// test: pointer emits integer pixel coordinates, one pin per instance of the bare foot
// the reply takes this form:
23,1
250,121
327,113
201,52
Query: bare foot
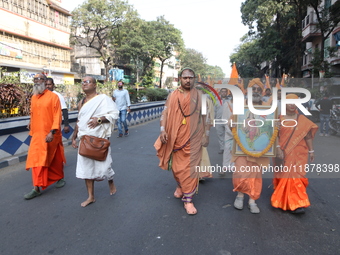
87,202
190,208
178,193
113,188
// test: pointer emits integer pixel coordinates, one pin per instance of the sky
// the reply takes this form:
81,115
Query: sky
212,27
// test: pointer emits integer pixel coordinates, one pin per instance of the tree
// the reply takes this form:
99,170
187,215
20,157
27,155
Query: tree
94,23
278,29
136,43
248,57
166,39
215,72
195,60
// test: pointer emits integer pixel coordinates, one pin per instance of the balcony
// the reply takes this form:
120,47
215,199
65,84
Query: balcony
309,28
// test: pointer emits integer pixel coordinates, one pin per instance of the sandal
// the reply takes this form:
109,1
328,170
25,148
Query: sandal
190,211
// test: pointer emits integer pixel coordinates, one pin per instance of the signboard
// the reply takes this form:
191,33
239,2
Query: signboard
11,49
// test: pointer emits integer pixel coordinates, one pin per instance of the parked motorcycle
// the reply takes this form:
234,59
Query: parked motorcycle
334,121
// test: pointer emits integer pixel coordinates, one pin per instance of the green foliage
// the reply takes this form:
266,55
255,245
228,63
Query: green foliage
166,40
215,72
105,88
247,58
195,60
133,95
156,94
276,28
95,24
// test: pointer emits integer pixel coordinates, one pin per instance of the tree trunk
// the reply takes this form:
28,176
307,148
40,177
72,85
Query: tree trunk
160,81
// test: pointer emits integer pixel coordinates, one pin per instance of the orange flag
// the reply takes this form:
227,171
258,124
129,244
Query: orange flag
235,79
234,75
283,80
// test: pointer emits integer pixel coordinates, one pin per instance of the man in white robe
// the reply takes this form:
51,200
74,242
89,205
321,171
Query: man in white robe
97,115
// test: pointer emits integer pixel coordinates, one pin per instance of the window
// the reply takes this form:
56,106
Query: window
337,40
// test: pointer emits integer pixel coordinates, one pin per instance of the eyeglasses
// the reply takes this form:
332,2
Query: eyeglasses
86,82
38,79
257,89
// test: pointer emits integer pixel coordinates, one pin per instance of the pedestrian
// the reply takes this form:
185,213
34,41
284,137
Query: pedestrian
183,132
122,99
295,144
50,86
325,113
249,182
96,117
46,150
220,128
228,136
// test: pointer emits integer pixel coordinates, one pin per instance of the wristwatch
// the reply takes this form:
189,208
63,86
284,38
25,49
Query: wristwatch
53,131
99,120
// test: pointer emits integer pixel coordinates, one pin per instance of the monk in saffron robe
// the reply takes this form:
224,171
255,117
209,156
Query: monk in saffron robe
296,142
249,182
182,136
46,151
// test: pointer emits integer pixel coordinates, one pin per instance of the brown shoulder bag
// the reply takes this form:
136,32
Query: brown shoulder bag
94,147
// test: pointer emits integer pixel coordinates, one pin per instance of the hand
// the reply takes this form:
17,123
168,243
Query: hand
49,137
93,122
205,141
128,110
311,157
74,143
164,137
66,129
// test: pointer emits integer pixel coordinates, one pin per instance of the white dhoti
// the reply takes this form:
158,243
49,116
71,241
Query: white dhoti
98,106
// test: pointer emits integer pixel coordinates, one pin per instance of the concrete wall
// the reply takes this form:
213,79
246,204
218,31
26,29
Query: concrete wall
14,138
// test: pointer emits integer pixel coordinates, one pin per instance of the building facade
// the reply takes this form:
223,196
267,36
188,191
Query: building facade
34,38
312,38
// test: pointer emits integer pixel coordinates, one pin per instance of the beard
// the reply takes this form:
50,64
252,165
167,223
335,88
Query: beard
257,98
38,88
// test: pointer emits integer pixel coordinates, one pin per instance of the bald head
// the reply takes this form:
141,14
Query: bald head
89,85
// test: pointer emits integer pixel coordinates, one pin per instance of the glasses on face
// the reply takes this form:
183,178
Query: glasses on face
38,79
190,78
86,82
257,89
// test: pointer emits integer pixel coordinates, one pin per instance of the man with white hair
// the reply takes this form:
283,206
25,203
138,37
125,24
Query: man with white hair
46,151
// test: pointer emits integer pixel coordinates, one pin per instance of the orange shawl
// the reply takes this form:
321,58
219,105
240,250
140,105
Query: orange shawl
290,187
182,137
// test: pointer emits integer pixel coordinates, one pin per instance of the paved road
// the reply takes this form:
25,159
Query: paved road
144,218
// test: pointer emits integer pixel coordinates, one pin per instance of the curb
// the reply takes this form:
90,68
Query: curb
20,158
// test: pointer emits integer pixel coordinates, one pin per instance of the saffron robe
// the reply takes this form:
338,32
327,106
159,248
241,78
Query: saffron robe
290,187
249,182
46,159
99,106
184,140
